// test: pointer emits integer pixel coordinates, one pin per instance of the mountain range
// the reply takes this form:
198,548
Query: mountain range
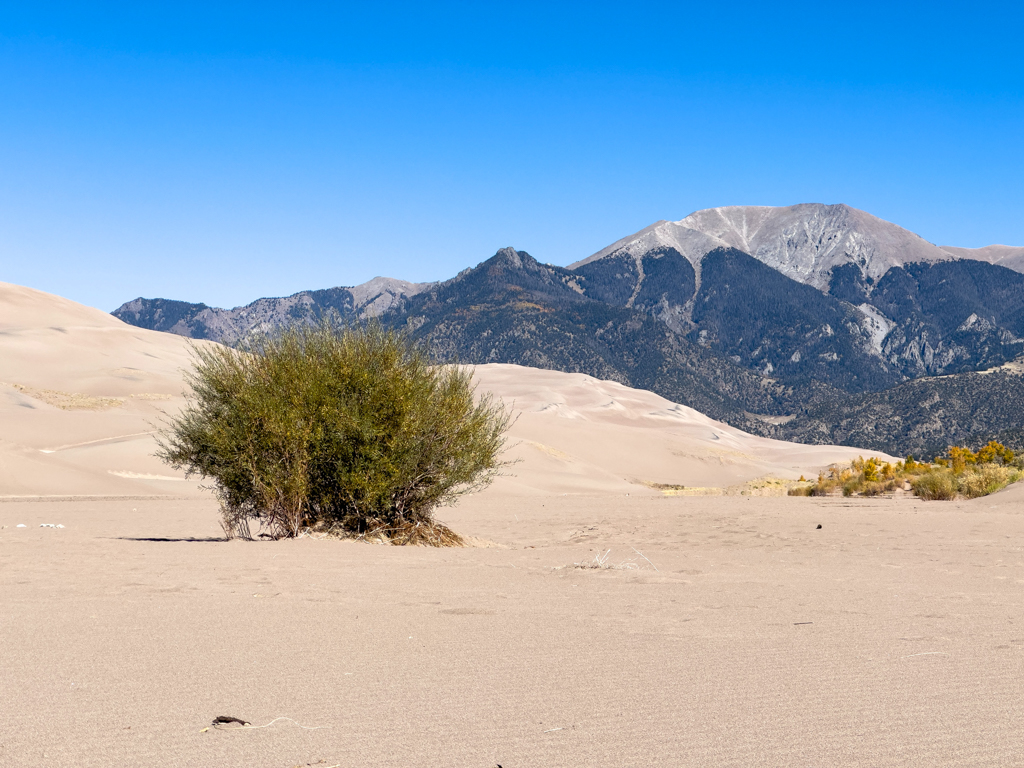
820,323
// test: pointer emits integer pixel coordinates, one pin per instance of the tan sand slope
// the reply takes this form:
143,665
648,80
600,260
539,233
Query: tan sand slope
83,392
80,396
578,434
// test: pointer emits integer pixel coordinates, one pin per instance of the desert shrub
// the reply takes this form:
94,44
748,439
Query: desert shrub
962,471
960,458
853,485
985,479
348,429
879,487
828,484
801,490
935,485
872,470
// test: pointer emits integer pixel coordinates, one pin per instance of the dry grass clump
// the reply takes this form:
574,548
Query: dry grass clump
961,472
664,486
430,533
324,427
986,479
602,562
936,485
69,401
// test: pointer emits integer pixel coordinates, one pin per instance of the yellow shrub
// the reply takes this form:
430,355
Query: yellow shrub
985,479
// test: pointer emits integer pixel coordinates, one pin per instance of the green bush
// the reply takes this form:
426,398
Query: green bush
939,484
853,485
349,429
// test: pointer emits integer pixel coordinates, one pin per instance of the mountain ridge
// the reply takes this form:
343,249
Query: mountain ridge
680,310
784,236
197,320
893,280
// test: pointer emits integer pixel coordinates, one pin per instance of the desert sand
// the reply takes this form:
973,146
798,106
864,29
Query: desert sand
730,631
577,434
82,394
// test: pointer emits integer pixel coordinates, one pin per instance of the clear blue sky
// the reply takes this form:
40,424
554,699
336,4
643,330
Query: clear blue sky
224,154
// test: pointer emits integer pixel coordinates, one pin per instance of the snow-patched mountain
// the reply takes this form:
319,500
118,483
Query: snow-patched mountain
369,299
805,242
687,241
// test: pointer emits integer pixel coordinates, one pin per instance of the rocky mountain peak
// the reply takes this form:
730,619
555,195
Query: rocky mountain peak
380,294
805,242
509,256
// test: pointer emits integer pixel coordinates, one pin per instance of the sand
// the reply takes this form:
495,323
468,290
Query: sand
890,637
82,394
743,635
578,434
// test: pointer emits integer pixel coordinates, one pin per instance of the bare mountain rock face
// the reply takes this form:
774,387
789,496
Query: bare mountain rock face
896,306
806,242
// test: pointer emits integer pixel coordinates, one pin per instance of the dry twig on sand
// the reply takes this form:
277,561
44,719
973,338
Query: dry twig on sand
225,724
601,563
644,557
425,533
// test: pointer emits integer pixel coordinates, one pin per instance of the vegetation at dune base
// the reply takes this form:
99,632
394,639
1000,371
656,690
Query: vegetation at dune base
961,472
344,430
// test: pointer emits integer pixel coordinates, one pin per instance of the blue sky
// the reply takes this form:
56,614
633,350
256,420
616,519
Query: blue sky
224,154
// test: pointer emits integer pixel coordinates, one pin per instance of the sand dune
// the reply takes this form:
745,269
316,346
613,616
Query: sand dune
578,434
82,394
750,632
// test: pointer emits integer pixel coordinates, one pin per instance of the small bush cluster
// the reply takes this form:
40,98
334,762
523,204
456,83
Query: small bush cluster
961,472
935,485
328,428
867,477
985,479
